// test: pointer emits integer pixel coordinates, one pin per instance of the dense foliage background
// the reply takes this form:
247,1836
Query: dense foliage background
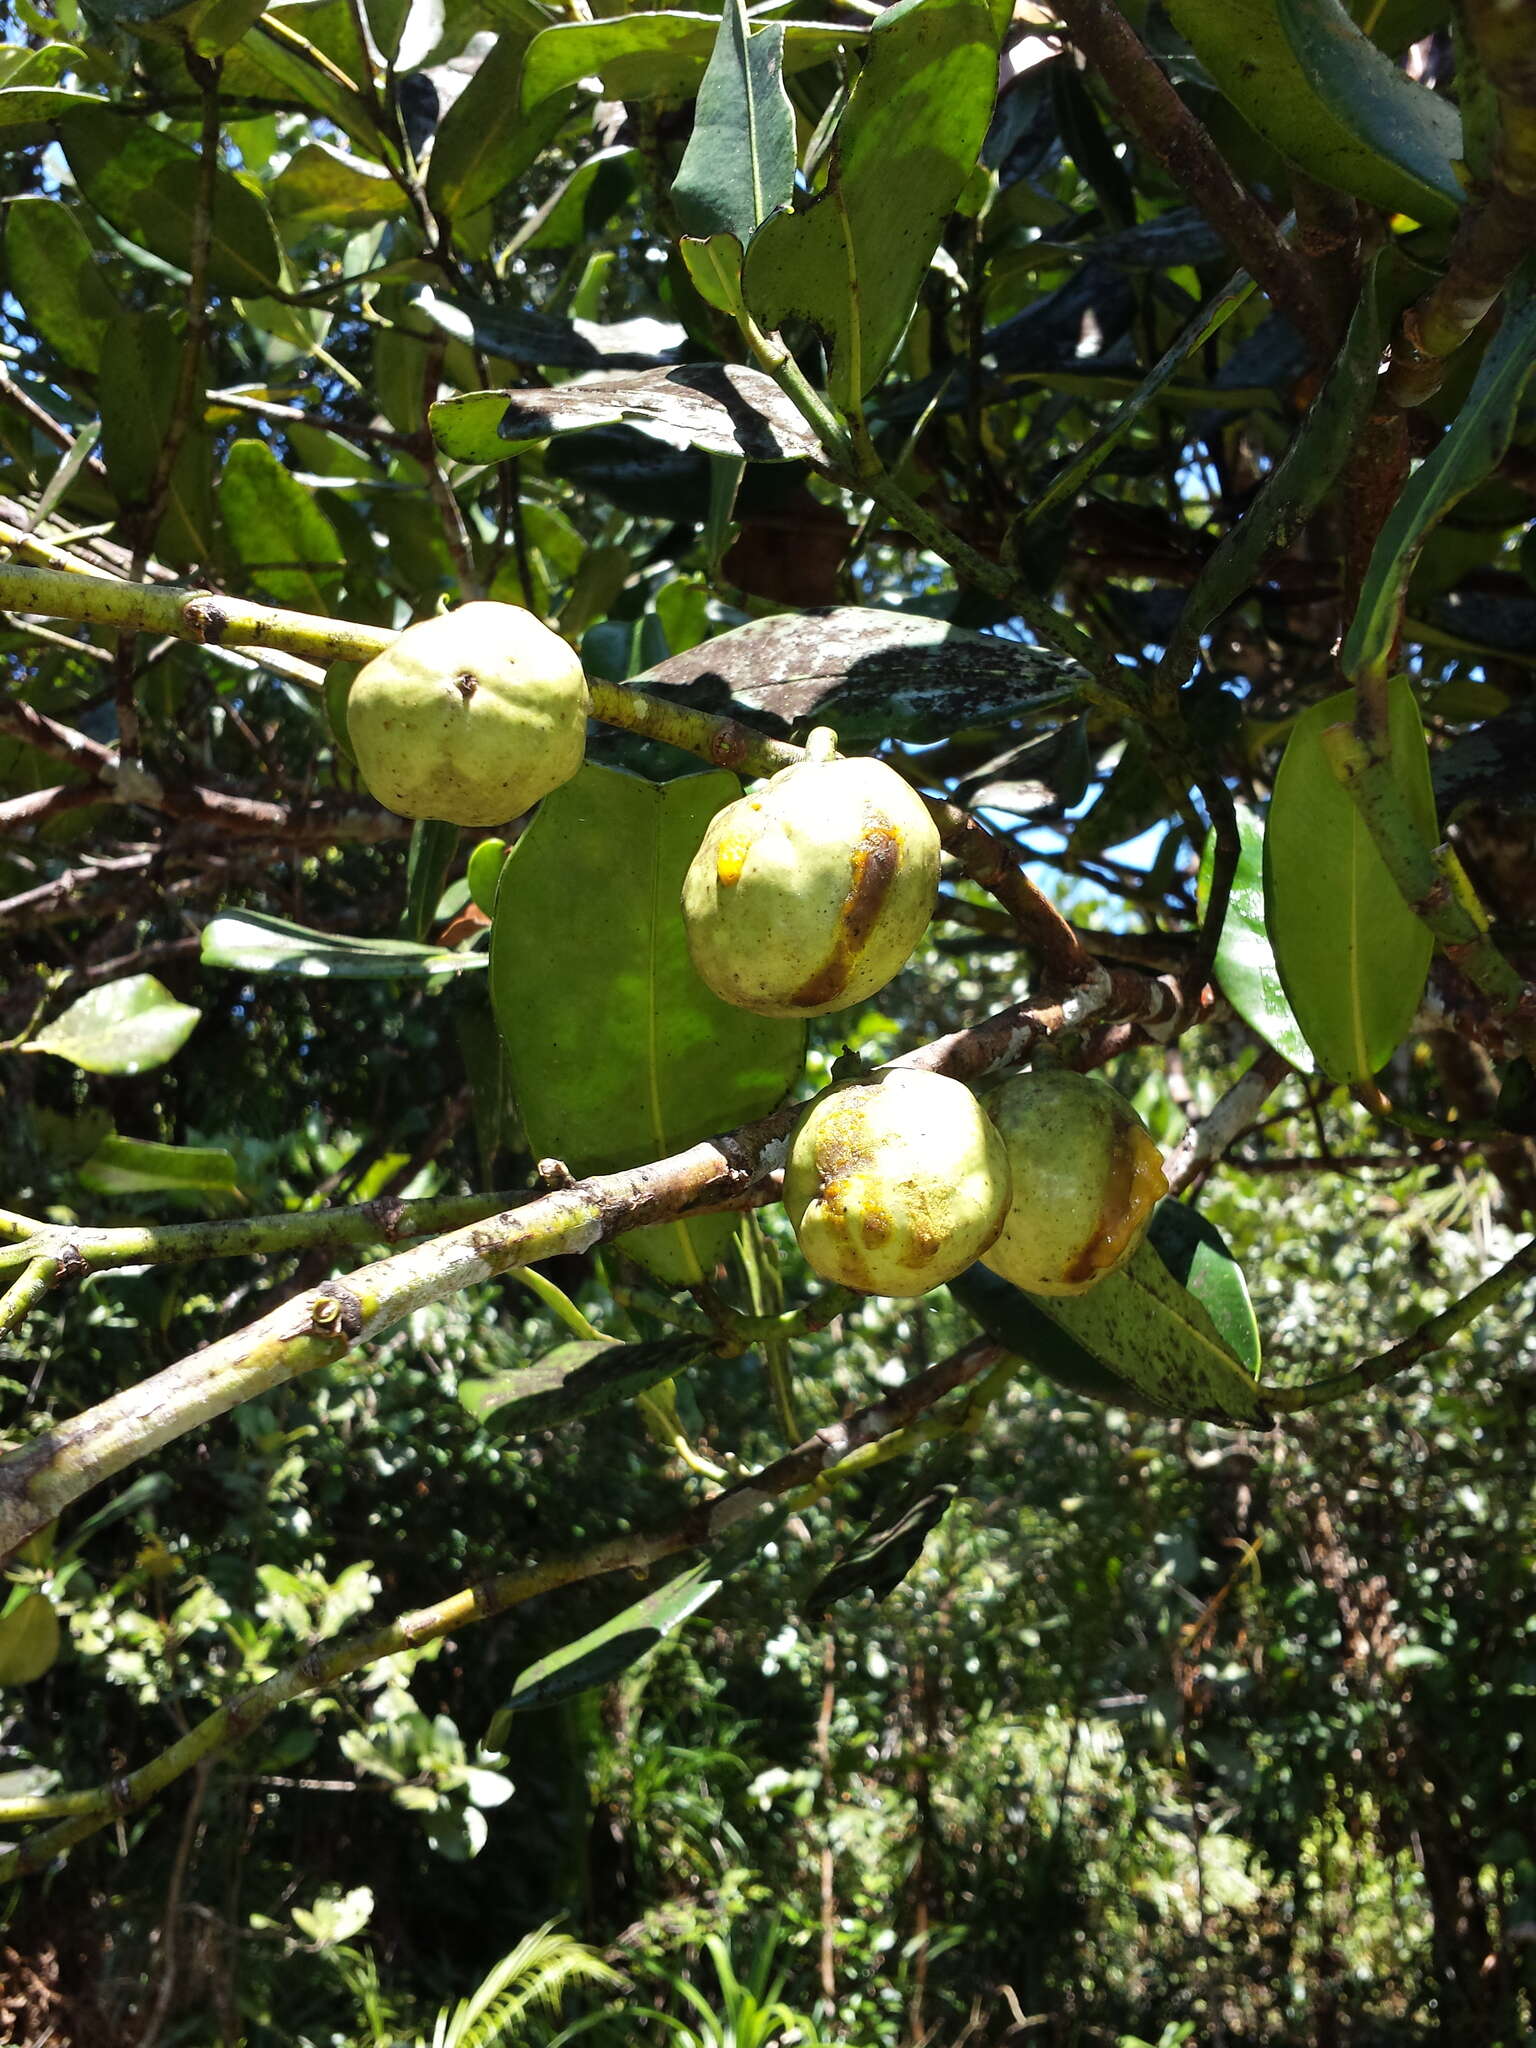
1172,1732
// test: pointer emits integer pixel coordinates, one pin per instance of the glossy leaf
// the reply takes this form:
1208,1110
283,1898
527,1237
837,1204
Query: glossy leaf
123,1027
1315,86
253,943
1245,961
852,263
722,408
604,1652
739,166
618,1052
1352,956
871,674
54,272
483,873
322,186
135,1166
287,547
1196,1254
575,1379
1018,1322
145,182
1469,450
1140,1327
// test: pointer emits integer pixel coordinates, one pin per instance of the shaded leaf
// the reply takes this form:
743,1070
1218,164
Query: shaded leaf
1245,961
434,842
871,674
136,393
577,1378
123,1027
853,261
253,943
721,408
1352,956
54,272
146,182
486,140
284,542
618,1052
322,186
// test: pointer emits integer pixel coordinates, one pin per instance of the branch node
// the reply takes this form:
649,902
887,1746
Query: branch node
337,1312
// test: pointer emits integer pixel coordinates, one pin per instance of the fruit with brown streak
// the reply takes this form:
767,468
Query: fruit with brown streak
896,1182
1086,1178
811,894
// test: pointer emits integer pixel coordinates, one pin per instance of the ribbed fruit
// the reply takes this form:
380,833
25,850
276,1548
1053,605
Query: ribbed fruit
895,1183
470,717
1086,1178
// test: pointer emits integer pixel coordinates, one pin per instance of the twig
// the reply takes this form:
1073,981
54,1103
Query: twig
1204,1143
1169,132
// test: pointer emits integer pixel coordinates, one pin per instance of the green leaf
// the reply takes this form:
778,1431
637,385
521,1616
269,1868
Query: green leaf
30,1639
31,106
487,140
434,842
483,873
1196,1254
1151,1340
145,182
604,1652
253,943
136,394
137,1166
1245,961
55,274
871,674
1352,956
885,1551
618,1052
578,1378
722,408
322,186
661,55
520,335
1317,88
123,1027
852,263
1470,449
739,165
284,542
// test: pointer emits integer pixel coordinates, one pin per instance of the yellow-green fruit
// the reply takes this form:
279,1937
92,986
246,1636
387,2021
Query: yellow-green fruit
811,894
470,717
1086,1178
895,1183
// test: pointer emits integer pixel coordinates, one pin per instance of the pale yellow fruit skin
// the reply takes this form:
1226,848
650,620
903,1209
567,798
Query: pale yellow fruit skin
895,1183
470,717
1086,1179
811,894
